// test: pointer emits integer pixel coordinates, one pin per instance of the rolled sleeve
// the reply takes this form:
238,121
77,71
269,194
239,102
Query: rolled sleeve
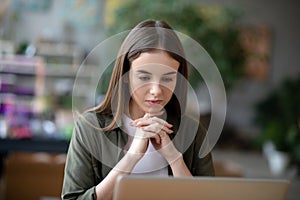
78,178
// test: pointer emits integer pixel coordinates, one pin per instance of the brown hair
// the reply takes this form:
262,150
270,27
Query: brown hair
148,35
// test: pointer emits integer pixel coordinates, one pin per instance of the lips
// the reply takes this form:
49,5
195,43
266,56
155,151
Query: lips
154,102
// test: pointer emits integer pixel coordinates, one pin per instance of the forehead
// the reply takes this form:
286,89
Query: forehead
155,60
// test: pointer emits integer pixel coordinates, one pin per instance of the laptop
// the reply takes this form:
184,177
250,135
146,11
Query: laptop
191,188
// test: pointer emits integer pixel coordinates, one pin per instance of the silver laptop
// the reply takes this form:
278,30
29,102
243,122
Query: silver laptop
207,188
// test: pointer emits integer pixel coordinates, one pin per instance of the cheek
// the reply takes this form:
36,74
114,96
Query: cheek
169,87
137,92
136,85
168,93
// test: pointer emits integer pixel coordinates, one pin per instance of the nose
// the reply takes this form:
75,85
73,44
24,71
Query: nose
155,89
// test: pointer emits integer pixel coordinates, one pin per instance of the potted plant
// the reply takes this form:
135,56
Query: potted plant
278,116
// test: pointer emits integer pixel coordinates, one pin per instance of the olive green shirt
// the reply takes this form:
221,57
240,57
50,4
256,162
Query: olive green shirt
93,153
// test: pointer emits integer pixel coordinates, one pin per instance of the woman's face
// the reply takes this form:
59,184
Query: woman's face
152,79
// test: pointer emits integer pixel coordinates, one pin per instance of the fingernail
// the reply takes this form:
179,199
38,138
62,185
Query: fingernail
170,131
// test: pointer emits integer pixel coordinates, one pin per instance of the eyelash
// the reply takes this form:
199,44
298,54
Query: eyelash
144,78
165,79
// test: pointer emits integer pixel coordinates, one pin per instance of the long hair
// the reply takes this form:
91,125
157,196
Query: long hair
147,36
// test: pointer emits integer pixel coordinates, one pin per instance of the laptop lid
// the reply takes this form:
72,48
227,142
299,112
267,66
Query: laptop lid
208,188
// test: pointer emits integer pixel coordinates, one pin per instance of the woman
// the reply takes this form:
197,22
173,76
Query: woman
141,126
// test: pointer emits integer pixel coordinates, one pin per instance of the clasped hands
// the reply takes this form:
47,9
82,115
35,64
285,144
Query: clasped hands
152,129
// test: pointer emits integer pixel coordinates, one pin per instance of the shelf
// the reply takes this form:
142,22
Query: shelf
19,60
66,70
19,65
15,66
21,84
65,53
47,80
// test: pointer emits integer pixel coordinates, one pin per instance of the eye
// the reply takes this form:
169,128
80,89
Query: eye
144,78
167,79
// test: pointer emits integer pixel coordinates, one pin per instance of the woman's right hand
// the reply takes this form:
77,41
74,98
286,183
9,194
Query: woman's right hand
138,146
140,140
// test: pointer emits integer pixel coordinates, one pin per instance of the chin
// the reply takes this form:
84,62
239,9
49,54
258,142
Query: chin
155,110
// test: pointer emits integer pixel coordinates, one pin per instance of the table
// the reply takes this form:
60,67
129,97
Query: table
34,145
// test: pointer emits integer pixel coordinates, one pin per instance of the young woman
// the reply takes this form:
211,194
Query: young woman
141,126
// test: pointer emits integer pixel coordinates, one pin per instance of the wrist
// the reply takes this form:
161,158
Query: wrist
133,157
174,158
179,167
126,164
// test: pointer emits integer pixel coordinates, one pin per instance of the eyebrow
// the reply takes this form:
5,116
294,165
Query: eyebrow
170,73
146,72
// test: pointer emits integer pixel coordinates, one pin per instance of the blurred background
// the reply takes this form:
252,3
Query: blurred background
255,45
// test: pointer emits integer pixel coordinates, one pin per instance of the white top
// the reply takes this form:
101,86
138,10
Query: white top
152,163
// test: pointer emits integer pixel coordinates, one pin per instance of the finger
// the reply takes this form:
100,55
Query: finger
155,136
157,139
147,116
149,135
156,128
162,134
148,121
161,121
135,122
